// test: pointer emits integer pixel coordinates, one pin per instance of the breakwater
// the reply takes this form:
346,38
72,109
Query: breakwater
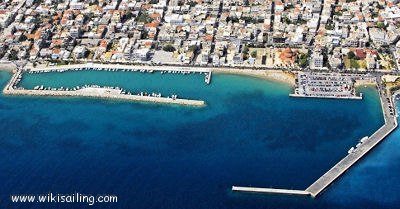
387,104
114,93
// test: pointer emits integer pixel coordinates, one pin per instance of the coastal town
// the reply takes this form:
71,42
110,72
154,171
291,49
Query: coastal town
323,48
339,35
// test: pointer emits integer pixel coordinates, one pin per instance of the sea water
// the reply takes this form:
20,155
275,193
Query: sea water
166,156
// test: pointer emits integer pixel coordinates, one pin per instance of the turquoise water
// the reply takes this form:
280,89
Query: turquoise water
160,156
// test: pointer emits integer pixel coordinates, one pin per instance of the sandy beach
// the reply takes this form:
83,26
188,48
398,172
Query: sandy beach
276,75
361,83
7,66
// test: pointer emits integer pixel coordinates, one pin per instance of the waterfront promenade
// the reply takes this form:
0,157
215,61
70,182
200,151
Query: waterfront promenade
387,103
61,68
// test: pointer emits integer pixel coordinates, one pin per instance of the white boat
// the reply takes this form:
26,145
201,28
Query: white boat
358,145
351,150
363,139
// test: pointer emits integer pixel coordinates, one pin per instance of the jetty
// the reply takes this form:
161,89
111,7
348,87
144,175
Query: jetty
387,103
270,190
113,93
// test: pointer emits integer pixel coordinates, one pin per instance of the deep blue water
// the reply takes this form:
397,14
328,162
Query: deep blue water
162,156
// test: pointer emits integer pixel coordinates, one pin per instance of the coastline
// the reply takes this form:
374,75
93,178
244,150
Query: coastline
362,83
7,66
275,75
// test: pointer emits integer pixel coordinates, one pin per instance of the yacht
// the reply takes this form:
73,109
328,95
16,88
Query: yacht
358,145
351,150
363,139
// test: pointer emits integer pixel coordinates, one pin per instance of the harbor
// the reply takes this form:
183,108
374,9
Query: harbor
365,145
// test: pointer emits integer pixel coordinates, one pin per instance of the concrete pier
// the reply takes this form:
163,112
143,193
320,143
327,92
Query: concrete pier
105,94
270,190
387,102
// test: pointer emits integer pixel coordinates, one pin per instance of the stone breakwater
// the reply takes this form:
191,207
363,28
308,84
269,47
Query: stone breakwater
96,92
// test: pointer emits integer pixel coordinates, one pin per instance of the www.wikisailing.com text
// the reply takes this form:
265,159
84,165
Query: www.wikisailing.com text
63,198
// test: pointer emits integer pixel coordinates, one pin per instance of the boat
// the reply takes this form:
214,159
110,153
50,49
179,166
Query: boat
358,145
351,150
363,139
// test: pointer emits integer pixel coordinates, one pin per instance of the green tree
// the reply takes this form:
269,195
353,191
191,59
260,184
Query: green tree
351,55
254,54
144,18
245,50
303,60
192,48
169,48
380,25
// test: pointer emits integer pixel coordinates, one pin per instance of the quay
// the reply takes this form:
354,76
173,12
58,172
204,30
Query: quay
270,190
387,102
116,67
96,92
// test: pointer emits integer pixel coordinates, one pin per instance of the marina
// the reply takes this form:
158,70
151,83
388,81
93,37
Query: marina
124,68
95,91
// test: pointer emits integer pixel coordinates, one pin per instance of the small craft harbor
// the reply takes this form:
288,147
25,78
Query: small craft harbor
94,91
308,85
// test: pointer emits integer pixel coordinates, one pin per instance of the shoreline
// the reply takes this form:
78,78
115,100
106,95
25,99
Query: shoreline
274,75
364,83
8,67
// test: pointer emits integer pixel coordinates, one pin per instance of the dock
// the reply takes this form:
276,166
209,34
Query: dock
322,183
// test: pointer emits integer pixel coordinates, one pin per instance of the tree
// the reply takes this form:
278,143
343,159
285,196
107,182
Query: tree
254,54
192,48
13,55
303,60
144,34
144,18
192,3
351,55
380,25
169,48
245,50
